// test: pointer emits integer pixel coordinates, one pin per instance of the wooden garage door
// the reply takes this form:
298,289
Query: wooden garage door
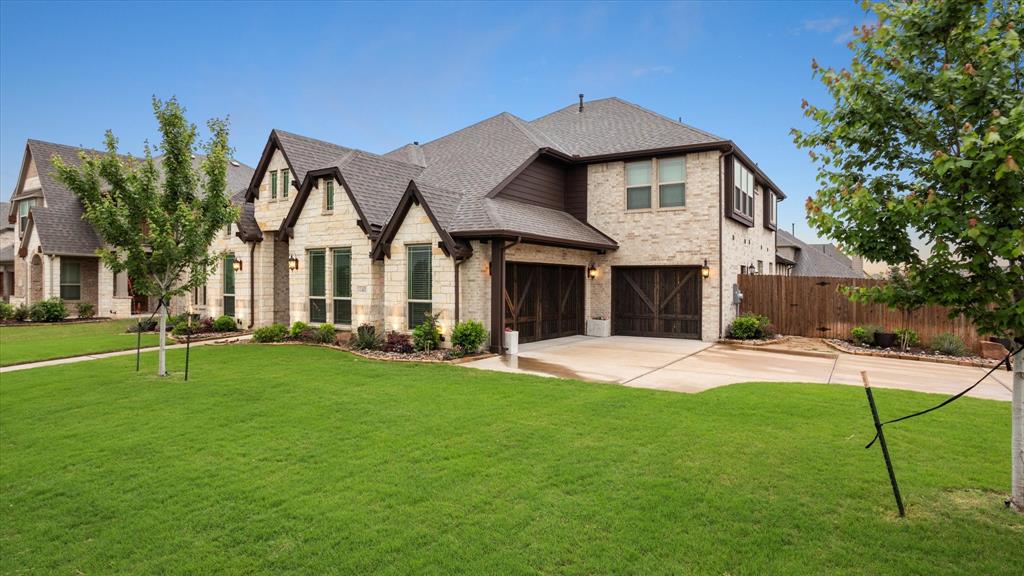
659,301
543,301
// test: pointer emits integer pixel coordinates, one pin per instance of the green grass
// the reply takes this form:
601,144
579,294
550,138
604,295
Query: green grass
287,459
20,344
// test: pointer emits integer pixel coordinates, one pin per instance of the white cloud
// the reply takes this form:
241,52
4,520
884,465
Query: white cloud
822,25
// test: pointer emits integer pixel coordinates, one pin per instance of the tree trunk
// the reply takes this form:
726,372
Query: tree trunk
1018,431
162,370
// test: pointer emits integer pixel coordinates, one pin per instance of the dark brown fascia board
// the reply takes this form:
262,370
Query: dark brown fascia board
535,239
273,143
382,247
287,225
758,173
19,184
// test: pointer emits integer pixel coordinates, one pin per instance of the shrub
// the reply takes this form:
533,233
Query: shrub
397,342
144,325
181,329
21,313
224,324
52,310
272,333
750,327
427,335
949,344
907,337
365,338
468,336
325,334
6,311
297,330
85,310
174,321
864,334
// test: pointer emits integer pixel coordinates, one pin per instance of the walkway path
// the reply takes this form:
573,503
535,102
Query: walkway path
100,356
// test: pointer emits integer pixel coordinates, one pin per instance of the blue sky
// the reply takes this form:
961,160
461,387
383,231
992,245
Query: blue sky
376,76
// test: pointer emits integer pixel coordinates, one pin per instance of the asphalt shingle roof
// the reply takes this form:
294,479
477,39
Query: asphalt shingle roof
814,260
59,224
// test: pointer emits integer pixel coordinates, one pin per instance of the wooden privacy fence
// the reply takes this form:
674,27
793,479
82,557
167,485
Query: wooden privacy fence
813,306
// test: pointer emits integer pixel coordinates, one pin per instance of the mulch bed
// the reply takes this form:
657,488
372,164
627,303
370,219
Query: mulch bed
209,336
763,342
432,356
911,354
92,320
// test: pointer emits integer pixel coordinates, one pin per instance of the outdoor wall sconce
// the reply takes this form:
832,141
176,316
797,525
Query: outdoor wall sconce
236,265
293,263
705,272
591,271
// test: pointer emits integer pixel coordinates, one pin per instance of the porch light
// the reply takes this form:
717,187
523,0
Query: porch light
591,271
705,272
293,263
236,265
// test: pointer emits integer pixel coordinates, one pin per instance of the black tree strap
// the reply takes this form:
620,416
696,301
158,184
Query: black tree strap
949,400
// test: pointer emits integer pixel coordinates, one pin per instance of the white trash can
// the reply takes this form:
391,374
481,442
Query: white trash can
512,342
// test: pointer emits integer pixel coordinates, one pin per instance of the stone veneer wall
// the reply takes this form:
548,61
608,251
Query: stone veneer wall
672,236
417,229
269,213
475,285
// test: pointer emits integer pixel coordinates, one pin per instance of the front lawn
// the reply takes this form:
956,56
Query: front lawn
288,459
20,344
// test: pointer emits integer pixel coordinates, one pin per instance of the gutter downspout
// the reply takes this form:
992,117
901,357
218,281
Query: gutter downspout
721,218
458,262
252,285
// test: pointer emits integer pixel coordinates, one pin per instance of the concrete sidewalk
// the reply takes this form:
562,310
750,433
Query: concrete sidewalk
100,356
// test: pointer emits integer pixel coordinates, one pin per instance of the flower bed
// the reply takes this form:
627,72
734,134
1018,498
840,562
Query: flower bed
443,355
922,354
775,339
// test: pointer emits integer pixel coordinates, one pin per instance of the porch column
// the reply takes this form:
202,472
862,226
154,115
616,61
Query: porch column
497,295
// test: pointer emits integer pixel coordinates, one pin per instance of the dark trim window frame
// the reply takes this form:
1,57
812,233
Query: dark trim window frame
341,286
284,183
739,192
316,260
329,194
70,280
23,208
273,184
419,281
771,209
229,284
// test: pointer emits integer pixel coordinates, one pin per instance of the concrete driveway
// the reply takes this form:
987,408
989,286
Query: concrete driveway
693,366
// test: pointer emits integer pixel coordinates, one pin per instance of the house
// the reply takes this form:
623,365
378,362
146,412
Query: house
797,258
599,210
6,254
55,249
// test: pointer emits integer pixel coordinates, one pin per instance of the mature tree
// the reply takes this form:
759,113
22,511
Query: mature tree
158,217
924,139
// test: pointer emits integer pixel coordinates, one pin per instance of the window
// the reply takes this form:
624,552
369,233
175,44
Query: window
638,185
771,208
671,182
273,184
121,285
329,194
70,280
23,207
199,295
317,286
229,285
743,193
284,184
420,280
760,267
342,289
227,230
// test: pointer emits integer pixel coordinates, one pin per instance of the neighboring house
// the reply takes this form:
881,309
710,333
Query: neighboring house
6,254
55,249
797,258
602,209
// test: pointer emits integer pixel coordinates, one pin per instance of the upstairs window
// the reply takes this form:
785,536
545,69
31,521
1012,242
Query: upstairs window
273,184
671,182
284,184
420,279
743,190
638,185
770,209
70,280
329,194
23,207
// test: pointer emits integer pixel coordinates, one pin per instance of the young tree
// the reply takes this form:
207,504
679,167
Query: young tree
157,217
924,138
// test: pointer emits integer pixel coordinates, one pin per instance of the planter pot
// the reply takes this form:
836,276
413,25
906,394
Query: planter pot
599,328
512,342
885,339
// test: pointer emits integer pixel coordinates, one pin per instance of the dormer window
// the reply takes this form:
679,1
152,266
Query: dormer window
284,183
273,184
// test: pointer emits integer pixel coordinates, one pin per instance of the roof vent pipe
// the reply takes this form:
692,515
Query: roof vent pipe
581,103
415,142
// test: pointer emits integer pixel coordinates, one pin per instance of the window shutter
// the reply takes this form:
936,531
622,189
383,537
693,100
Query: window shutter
419,270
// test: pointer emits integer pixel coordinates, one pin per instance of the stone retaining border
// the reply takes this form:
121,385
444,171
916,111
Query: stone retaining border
973,361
